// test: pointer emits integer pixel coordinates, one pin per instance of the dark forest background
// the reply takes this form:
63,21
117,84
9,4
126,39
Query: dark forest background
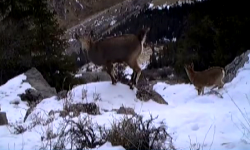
208,33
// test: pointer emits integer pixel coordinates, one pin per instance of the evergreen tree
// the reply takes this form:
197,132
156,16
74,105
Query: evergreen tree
49,46
32,38
15,38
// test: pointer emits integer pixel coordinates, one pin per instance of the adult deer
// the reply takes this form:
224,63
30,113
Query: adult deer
118,49
211,77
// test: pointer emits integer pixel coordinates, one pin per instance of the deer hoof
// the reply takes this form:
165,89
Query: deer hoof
114,82
131,86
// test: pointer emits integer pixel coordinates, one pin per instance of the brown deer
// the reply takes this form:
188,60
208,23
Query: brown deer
118,49
211,77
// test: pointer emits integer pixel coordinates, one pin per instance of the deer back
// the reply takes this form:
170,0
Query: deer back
208,77
119,48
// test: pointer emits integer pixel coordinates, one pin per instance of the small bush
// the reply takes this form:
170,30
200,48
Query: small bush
81,134
135,133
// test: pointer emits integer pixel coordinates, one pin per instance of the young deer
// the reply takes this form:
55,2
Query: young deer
120,49
211,77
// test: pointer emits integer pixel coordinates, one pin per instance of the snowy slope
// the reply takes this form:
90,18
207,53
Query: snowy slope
215,123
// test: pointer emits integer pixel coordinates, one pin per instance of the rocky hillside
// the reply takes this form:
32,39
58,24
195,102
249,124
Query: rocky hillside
72,12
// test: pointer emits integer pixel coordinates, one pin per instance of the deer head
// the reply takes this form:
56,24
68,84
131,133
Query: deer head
189,68
85,41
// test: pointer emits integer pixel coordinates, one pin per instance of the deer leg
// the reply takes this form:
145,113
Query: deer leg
198,90
136,73
214,87
221,84
110,71
202,90
131,80
131,83
133,77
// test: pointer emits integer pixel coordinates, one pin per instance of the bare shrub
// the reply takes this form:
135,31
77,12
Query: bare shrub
68,99
18,128
89,108
81,134
76,109
96,96
84,94
245,123
37,119
135,133
47,138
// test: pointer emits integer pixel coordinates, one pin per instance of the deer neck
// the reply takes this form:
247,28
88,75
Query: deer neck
94,54
191,74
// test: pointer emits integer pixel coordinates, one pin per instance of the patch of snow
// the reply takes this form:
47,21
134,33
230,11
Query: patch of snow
108,146
71,40
8,93
164,5
159,7
78,75
128,71
174,39
112,22
151,5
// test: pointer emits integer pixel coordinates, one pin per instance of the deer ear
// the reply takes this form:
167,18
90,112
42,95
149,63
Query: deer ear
192,65
148,29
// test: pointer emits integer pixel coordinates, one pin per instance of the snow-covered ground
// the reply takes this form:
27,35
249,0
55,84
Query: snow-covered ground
216,123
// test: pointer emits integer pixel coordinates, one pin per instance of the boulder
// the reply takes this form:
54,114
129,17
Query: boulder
126,110
36,80
145,92
89,108
88,77
165,73
31,95
62,94
3,118
235,65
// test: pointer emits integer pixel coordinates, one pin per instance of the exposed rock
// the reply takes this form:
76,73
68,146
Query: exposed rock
145,92
15,101
36,80
235,65
89,108
41,90
145,95
126,110
88,77
3,118
62,94
161,73
31,96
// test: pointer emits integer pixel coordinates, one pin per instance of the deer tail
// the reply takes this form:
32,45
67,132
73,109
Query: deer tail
142,35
